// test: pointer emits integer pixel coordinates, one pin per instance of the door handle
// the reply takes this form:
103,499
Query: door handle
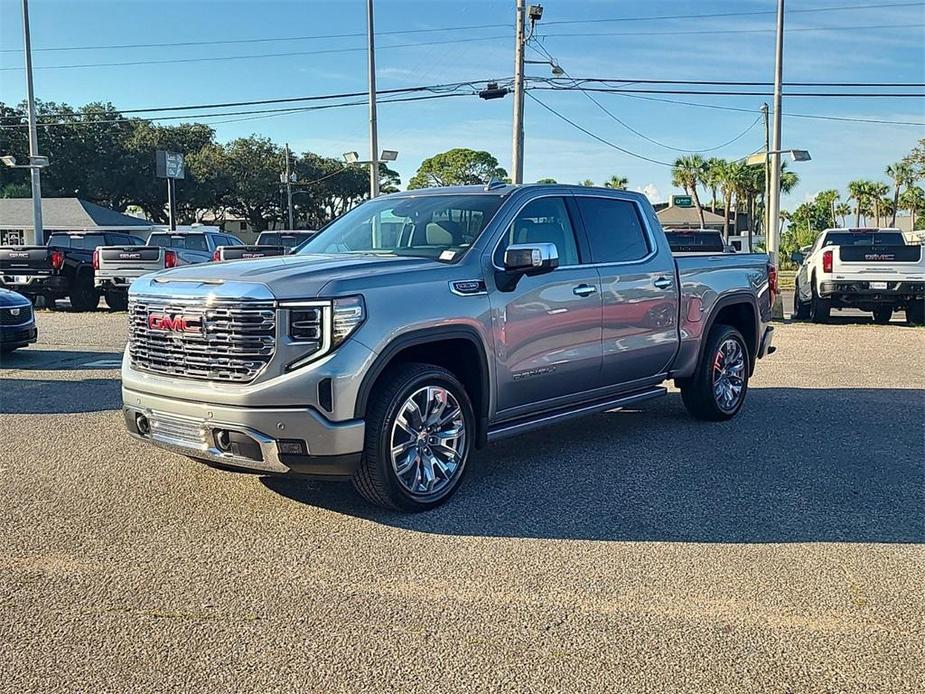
584,290
662,283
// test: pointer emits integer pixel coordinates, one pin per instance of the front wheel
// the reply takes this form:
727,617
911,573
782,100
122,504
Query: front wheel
717,389
116,300
419,429
882,316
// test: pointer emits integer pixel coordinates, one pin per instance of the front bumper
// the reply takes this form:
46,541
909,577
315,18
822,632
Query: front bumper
263,439
766,347
23,334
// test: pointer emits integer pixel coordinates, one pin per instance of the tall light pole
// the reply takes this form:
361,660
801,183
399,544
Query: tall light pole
35,171
517,155
288,175
773,241
373,125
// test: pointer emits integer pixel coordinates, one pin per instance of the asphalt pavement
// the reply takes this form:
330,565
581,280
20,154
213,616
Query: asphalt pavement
636,551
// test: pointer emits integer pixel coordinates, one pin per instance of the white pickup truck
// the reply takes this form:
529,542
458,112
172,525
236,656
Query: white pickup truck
868,269
116,267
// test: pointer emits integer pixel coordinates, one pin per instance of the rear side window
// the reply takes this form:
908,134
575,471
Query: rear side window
191,242
615,230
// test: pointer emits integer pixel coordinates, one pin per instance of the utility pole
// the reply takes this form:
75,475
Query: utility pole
288,175
777,310
767,177
36,172
517,157
172,203
373,125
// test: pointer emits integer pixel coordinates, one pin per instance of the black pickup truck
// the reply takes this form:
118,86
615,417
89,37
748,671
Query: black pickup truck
61,269
269,243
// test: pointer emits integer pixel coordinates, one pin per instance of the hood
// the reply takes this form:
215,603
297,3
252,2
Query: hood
9,298
293,276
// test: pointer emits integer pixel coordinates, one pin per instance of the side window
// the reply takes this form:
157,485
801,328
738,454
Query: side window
615,230
234,240
544,220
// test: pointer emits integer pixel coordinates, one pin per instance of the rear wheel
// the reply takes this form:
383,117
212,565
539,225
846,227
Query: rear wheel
882,316
717,389
800,308
419,429
84,296
116,300
819,309
915,313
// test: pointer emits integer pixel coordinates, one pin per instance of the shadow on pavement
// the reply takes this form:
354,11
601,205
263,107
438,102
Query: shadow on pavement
39,396
59,360
797,465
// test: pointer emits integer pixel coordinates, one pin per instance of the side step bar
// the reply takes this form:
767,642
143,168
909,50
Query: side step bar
521,426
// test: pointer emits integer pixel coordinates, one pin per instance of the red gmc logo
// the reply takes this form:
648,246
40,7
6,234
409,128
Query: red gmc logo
176,323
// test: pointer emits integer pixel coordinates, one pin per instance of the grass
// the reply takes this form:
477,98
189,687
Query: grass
786,278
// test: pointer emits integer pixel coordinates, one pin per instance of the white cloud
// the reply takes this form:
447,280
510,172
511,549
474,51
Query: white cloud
651,191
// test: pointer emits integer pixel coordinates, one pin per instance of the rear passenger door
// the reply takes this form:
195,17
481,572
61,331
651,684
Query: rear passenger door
548,328
638,288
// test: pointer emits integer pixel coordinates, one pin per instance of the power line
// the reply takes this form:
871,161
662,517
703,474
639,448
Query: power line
730,83
700,32
704,92
596,137
209,59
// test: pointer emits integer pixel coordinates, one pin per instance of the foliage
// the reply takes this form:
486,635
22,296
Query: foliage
587,183
617,182
687,172
547,180
457,167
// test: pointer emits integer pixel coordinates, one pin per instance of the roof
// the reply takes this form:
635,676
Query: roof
686,215
503,189
65,213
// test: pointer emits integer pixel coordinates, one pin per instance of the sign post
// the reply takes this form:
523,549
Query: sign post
170,165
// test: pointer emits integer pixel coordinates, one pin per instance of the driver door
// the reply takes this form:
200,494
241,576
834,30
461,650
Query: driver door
547,330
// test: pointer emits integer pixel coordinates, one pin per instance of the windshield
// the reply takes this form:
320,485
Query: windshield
441,227
843,238
191,242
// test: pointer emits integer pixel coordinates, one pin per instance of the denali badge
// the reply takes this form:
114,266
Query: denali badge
177,323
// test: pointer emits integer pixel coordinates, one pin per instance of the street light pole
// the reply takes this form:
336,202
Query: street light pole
774,183
517,157
289,188
36,172
767,177
373,125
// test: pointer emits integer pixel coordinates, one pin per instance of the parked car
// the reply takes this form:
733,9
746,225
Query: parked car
195,246
699,241
868,269
287,239
421,325
223,253
61,269
17,321
116,267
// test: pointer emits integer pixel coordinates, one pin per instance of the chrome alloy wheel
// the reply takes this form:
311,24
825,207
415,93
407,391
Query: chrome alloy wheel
728,375
428,441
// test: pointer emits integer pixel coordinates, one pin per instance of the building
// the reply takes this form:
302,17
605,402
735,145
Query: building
681,213
63,214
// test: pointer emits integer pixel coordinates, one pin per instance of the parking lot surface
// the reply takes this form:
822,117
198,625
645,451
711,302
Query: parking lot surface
630,551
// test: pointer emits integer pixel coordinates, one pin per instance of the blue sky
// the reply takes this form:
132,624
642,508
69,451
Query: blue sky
851,49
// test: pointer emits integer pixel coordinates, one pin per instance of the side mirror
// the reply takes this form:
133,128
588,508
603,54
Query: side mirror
531,258
797,257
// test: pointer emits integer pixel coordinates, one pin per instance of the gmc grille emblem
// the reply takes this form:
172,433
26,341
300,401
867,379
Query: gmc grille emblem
176,323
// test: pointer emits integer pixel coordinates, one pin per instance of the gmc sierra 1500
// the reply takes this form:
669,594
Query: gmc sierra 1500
423,324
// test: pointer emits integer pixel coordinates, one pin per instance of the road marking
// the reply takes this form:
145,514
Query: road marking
102,364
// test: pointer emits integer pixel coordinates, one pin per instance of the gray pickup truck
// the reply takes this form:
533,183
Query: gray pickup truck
424,324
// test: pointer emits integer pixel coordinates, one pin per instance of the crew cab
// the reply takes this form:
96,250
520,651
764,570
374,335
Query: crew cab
61,269
424,324
868,269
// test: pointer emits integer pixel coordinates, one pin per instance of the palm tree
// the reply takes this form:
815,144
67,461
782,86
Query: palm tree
712,178
901,173
618,182
687,172
726,177
913,199
587,183
828,198
877,192
857,189
842,209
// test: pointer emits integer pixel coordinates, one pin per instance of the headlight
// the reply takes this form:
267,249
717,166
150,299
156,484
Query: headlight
321,325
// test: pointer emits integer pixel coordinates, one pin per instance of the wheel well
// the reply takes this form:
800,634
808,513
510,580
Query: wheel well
742,317
458,355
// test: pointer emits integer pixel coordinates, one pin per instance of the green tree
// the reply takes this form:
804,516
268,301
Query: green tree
916,160
913,199
547,180
713,178
877,191
687,172
587,183
859,190
457,167
828,198
901,175
842,209
617,182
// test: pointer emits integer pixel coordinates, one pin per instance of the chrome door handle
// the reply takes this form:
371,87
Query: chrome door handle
584,290
662,283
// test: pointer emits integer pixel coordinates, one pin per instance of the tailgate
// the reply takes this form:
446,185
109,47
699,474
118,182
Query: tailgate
876,261
247,252
129,260
25,260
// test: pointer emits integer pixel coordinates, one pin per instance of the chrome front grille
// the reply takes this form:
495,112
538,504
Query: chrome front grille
215,340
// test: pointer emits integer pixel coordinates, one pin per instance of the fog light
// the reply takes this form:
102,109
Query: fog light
222,440
142,425
291,447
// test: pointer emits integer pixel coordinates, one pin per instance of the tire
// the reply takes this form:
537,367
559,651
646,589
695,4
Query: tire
84,296
819,309
6,349
915,313
377,478
116,300
882,316
699,394
800,309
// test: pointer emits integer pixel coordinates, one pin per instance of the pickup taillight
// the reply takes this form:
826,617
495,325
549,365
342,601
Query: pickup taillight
96,258
827,261
772,282
57,260
216,255
170,259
